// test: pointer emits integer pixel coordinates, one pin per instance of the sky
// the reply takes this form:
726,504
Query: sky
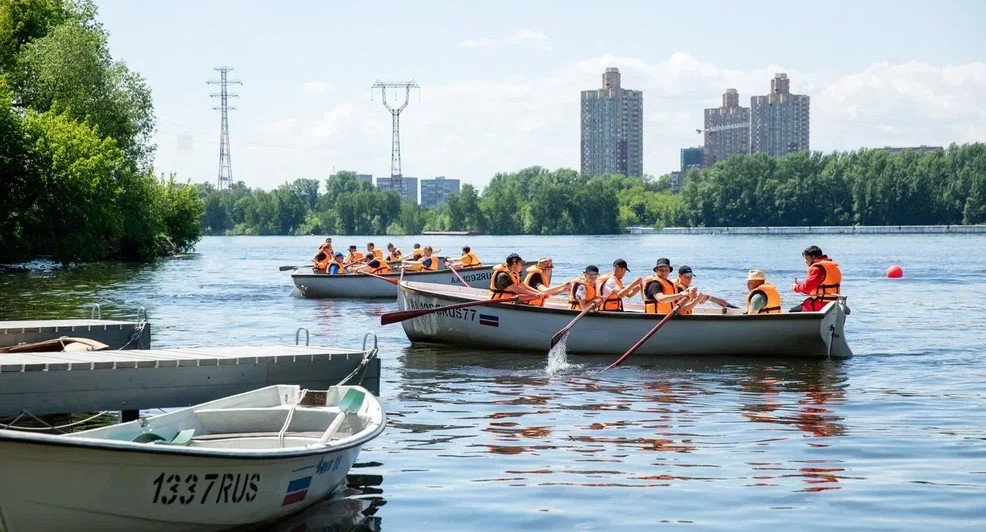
500,81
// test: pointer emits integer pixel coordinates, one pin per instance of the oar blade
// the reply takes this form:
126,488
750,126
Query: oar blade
557,338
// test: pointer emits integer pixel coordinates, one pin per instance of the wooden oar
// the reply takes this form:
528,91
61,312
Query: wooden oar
286,268
644,339
394,317
721,302
561,334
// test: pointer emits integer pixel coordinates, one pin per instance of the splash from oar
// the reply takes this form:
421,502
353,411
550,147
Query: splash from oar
558,358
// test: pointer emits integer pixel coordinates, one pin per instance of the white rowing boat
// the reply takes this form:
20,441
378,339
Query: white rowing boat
706,332
245,459
321,285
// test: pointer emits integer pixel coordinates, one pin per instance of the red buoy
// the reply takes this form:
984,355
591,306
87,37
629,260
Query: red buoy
895,272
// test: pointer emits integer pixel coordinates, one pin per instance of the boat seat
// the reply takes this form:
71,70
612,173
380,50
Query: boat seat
182,438
237,420
238,435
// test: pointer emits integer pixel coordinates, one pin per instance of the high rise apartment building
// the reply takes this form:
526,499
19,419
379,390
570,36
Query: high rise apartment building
612,128
779,121
434,191
727,130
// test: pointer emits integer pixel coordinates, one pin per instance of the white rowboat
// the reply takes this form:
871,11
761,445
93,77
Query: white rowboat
321,285
706,332
245,459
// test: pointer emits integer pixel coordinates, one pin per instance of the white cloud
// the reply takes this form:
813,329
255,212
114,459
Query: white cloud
318,87
522,37
472,128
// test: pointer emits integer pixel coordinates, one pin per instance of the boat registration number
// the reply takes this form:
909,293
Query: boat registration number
467,314
470,277
207,488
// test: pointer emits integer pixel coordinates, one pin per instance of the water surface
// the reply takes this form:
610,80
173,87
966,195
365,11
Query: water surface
892,439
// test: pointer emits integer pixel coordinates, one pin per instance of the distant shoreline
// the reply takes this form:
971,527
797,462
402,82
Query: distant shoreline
816,230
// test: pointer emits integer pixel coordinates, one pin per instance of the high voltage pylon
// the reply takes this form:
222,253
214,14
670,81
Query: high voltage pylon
395,112
225,164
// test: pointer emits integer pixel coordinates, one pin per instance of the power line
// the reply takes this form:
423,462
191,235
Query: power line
225,162
395,112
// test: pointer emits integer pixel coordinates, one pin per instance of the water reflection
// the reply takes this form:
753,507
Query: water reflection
349,511
660,407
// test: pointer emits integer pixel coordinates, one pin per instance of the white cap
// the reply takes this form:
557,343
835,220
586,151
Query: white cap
756,275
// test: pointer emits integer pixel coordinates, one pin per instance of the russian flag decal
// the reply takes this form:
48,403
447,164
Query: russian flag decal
489,319
297,490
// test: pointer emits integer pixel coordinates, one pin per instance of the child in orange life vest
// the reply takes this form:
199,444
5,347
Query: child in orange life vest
582,291
684,285
505,282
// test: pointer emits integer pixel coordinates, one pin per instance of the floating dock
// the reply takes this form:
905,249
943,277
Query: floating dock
115,334
48,383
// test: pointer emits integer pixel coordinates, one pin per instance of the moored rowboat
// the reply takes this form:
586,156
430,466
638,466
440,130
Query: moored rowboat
241,460
320,285
706,332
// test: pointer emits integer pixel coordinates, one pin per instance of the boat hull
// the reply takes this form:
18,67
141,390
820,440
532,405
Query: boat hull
246,459
94,489
518,327
323,286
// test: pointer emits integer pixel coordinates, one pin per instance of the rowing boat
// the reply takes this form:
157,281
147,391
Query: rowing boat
311,285
707,331
245,459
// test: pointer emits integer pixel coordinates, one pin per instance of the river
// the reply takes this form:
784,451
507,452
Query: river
894,438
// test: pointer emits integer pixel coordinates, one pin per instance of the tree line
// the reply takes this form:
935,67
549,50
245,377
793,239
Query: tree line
866,187
76,155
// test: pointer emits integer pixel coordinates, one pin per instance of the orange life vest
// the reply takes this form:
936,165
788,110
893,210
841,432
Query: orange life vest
545,280
354,257
502,294
611,301
434,263
378,253
651,306
830,287
323,264
769,291
681,288
590,293
470,260
416,253
382,268
396,255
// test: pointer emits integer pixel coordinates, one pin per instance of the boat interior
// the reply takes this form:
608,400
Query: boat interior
275,417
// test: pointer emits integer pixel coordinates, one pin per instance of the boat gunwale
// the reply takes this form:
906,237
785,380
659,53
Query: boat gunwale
394,274
811,315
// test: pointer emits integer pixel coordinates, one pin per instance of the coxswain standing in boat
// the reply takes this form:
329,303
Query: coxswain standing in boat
539,278
469,259
684,285
660,293
582,291
394,253
761,298
822,284
610,287
426,262
506,283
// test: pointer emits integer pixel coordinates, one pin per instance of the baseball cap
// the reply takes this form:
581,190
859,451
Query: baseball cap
620,263
352,247
592,268
340,255
513,257
756,275
685,270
